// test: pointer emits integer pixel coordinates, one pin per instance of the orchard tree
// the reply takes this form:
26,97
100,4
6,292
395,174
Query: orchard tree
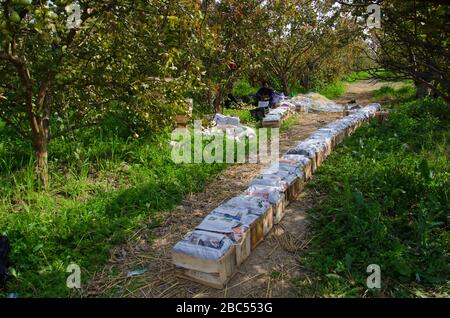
58,66
302,36
412,43
233,31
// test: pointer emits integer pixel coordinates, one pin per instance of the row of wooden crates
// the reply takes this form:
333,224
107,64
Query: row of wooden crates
213,252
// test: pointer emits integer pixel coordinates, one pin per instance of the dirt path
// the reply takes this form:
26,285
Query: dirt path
268,272
362,91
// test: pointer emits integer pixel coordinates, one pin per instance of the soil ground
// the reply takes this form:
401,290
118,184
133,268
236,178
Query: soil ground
268,272
362,91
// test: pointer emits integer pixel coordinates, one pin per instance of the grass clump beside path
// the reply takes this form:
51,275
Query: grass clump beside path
333,90
384,200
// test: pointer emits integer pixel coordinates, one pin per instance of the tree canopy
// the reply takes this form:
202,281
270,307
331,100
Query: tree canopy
140,60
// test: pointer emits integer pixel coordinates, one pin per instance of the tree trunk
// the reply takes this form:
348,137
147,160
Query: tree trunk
286,89
218,101
305,81
42,165
422,90
41,149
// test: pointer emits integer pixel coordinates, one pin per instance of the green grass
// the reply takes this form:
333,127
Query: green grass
333,90
289,122
244,115
357,76
384,200
103,188
394,96
244,88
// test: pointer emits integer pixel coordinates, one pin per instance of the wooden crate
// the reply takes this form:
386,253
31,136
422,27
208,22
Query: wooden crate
262,228
271,124
267,221
212,273
320,157
332,141
290,194
244,247
295,189
257,233
279,210
381,116
307,171
340,137
300,109
330,146
351,129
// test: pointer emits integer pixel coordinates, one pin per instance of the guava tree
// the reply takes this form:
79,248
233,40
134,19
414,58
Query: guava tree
61,65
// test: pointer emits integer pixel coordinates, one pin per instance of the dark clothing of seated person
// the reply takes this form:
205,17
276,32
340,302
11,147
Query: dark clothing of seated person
267,93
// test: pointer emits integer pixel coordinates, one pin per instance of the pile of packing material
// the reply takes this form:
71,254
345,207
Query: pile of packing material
212,253
230,127
222,120
316,102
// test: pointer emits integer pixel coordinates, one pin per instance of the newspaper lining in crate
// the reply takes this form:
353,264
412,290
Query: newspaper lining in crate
253,224
257,206
227,225
271,194
204,245
236,223
304,163
289,166
271,180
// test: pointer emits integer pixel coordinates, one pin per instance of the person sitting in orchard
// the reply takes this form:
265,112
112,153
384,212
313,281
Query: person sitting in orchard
267,93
